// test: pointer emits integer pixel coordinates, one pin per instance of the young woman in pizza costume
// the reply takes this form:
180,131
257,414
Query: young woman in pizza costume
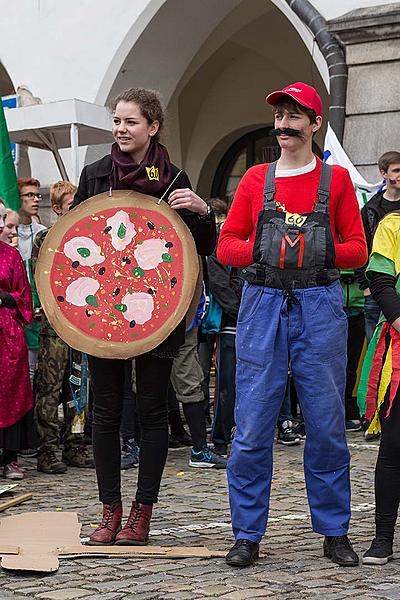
379,392
135,155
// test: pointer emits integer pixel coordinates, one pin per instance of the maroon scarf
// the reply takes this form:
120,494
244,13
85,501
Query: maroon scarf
151,176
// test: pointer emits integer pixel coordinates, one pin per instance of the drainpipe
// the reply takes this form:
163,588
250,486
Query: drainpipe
333,53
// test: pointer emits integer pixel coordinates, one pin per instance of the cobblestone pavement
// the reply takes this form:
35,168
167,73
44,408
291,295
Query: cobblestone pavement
193,510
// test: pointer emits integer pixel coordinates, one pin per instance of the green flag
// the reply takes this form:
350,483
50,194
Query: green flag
8,178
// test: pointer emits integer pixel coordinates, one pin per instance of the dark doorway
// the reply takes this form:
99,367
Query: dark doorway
251,149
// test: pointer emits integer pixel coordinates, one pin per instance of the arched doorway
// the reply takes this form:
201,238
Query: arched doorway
250,149
216,83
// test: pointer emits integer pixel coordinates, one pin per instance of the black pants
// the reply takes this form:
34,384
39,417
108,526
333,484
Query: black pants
226,390
206,352
387,472
355,342
152,379
129,424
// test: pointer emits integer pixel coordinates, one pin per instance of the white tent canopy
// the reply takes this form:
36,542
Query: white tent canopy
62,124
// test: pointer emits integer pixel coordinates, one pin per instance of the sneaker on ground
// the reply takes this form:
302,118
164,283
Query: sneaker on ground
353,425
286,434
13,471
368,436
28,453
77,456
49,463
300,430
379,553
221,450
207,459
129,455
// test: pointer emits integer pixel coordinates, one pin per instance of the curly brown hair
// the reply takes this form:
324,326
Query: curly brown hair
149,103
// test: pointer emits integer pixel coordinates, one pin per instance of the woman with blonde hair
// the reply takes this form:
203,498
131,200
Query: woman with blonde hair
15,391
9,235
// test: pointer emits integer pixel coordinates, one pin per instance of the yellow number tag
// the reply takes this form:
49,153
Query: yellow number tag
295,219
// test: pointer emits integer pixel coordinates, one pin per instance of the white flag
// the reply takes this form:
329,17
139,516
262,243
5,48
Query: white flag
335,155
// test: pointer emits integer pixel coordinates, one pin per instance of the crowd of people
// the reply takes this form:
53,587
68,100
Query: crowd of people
295,278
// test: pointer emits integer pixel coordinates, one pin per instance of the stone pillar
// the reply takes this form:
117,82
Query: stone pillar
371,37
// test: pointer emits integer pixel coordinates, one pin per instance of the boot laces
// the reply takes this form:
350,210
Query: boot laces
135,516
106,522
243,542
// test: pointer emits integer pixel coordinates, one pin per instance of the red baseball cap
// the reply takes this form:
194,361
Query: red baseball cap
304,94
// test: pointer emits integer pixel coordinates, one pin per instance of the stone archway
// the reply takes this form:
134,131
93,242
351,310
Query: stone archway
212,62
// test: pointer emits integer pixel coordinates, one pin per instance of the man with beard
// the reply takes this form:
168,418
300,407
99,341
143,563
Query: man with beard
292,226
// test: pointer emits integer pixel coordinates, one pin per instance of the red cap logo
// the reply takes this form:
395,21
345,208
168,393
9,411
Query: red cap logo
304,94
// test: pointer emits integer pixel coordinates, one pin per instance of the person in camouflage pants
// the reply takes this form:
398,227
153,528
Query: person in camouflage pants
54,369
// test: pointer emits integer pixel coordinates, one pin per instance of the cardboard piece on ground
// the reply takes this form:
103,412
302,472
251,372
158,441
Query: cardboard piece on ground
38,536
34,542
14,501
140,551
8,550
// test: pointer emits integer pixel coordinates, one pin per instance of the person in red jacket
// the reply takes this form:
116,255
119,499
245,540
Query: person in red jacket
293,224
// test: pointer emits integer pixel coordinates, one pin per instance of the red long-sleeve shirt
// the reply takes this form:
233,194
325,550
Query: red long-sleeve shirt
298,194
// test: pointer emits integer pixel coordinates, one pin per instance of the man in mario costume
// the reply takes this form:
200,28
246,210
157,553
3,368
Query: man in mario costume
293,224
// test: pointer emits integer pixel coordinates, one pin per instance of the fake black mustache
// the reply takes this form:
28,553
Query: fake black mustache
286,131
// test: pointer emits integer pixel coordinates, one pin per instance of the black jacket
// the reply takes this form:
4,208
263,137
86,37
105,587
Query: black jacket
226,287
95,179
371,213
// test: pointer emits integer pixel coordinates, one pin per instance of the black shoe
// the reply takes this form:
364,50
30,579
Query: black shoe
368,436
221,450
242,554
379,553
340,551
286,434
179,439
300,430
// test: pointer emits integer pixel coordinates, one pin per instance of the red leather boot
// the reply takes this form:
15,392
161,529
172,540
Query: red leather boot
110,524
136,530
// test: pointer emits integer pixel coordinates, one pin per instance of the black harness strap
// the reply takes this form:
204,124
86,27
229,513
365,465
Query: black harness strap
324,189
322,203
269,187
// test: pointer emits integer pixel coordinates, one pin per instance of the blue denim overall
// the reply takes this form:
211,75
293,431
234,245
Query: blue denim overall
307,325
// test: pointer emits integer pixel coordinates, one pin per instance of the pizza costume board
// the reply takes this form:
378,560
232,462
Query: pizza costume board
117,274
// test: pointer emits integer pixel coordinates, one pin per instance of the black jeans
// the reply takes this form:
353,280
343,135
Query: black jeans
152,379
387,472
355,342
225,390
129,424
